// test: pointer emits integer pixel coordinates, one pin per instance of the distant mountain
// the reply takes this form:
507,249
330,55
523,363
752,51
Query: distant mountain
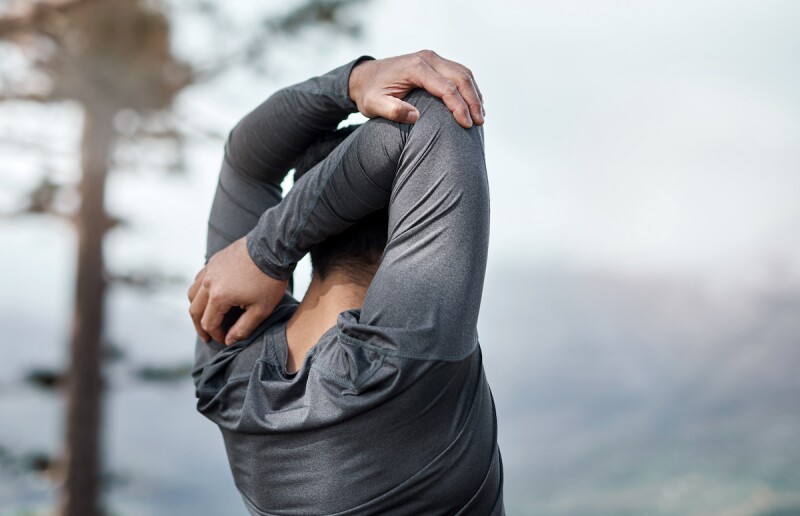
622,395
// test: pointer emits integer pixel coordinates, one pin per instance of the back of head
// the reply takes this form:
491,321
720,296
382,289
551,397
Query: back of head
357,251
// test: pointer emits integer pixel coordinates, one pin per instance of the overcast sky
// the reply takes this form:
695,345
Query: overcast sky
639,136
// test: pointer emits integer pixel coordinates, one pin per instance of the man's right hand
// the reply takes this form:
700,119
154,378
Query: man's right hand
378,87
232,279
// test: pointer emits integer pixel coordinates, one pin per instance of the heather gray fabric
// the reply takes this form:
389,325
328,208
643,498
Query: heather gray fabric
390,413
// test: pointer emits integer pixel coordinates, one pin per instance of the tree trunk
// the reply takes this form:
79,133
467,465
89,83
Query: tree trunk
83,468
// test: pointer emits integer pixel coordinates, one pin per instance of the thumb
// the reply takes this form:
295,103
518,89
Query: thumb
396,110
245,325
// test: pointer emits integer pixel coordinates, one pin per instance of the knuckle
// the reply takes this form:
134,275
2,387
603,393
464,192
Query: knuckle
450,88
395,111
427,54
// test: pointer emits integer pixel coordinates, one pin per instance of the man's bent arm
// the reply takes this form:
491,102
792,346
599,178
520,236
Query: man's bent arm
260,151
262,147
424,300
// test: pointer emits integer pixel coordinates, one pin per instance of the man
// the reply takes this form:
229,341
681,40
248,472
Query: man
369,397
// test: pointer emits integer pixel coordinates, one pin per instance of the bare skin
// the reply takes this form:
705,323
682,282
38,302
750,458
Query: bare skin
322,304
231,279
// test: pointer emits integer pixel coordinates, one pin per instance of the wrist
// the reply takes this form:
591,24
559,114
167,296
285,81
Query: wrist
357,80
260,255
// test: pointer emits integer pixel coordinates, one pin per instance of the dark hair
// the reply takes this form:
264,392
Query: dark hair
357,250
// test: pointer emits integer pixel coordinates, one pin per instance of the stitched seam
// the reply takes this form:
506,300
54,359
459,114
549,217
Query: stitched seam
426,466
401,354
341,382
327,373
253,506
236,202
305,216
220,232
486,478
273,270
374,371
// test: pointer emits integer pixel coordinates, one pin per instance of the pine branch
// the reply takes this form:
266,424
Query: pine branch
312,13
25,97
30,20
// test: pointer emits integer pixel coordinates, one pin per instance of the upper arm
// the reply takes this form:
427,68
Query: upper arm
425,297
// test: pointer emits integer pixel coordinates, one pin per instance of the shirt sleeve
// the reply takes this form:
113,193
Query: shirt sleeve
424,300
259,152
262,147
420,313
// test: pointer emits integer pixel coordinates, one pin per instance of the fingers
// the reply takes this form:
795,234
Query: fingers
473,98
445,89
246,324
214,312
455,75
198,281
377,87
196,309
396,110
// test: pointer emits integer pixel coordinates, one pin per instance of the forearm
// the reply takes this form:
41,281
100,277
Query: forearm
353,181
265,143
263,146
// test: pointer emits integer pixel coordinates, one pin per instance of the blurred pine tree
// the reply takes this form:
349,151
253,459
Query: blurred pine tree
110,56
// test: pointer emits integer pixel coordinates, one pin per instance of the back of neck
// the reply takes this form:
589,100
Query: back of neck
322,304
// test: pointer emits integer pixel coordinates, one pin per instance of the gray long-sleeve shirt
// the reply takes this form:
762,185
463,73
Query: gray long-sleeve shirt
390,413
